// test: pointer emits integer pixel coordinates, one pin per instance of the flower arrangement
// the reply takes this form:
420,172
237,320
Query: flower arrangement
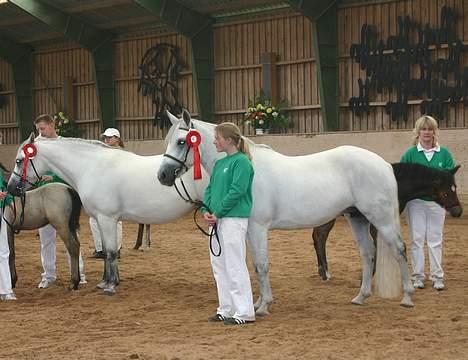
66,127
261,114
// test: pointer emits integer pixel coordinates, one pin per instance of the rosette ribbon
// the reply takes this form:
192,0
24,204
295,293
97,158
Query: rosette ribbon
193,139
29,151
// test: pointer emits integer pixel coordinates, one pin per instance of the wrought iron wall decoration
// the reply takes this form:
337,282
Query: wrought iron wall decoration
160,70
388,65
3,98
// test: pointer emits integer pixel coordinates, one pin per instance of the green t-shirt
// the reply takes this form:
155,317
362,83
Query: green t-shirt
3,187
229,193
441,160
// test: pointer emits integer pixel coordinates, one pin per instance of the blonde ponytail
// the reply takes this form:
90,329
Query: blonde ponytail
229,130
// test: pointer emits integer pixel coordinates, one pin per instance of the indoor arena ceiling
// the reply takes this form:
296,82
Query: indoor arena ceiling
115,16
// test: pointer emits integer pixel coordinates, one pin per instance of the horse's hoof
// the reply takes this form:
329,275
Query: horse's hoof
109,291
262,311
359,300
101,284
407,304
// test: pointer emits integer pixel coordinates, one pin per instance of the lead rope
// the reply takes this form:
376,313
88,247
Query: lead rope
199,204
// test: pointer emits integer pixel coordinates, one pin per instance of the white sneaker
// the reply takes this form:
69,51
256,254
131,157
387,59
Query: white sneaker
83,279
8,297
418,284
438,284
44,284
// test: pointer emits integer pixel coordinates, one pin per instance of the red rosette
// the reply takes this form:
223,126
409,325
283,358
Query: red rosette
193,139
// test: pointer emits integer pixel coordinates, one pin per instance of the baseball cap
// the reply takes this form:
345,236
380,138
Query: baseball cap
109,132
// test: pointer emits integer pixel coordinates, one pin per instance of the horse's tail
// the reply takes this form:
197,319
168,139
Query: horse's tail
387,278
74,221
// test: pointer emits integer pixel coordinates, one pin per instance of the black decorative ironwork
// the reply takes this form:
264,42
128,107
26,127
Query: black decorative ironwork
160,70
388,66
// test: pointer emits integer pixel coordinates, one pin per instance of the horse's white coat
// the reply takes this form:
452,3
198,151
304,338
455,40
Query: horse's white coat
113,185
306,191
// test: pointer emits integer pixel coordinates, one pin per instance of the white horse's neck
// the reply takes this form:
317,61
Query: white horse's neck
69,158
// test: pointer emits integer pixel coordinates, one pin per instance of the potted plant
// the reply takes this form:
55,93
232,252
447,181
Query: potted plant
66,127
265,117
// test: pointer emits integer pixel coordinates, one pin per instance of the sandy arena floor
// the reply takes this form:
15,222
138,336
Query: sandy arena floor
166,294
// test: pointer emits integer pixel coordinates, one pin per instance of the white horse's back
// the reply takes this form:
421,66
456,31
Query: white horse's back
300,191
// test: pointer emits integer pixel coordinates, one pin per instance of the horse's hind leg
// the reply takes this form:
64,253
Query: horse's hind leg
72,243
320,236
360,228
258,241
139,238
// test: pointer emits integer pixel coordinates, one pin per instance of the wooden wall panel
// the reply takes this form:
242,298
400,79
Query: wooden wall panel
9,131
238,46
384,16
238,71
134,112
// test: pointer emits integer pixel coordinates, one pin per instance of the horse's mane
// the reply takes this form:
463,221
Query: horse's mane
79,140
414,170
246,139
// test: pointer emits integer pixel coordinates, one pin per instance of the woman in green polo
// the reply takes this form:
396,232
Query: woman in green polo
425,217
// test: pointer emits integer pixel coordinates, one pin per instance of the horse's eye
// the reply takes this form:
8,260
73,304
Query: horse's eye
181,142
445,195
18,161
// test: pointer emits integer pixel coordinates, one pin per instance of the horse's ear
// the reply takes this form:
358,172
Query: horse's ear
455,169
187,118
173,119
32,137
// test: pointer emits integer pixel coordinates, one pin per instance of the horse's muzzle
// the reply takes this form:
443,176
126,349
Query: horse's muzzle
456,211
15,188
166,177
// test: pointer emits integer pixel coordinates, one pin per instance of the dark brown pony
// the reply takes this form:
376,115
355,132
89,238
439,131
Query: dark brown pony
413,181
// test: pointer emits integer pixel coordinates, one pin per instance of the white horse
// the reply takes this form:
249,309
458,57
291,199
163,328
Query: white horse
307,191
113,185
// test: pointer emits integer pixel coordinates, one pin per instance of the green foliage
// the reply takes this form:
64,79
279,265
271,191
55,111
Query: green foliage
66,127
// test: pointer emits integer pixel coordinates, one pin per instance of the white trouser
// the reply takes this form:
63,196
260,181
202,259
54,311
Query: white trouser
97,235
426,222
48,234
5,277
230,270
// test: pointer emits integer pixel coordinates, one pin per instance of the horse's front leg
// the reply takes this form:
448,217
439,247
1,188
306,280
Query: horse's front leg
257,236
139,238
147,242
12,258
108,229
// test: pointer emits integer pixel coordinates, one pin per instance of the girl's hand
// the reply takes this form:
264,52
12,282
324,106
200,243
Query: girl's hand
3,195
210,218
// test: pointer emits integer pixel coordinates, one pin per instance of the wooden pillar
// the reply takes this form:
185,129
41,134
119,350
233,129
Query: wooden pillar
69,98
270,77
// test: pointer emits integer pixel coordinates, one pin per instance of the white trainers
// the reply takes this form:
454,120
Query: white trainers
8,297
418,284
83,279
438,284
44,284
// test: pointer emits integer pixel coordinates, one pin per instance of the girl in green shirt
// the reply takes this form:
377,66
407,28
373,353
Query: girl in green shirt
229,197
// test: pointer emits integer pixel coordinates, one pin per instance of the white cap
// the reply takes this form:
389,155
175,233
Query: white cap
111,132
